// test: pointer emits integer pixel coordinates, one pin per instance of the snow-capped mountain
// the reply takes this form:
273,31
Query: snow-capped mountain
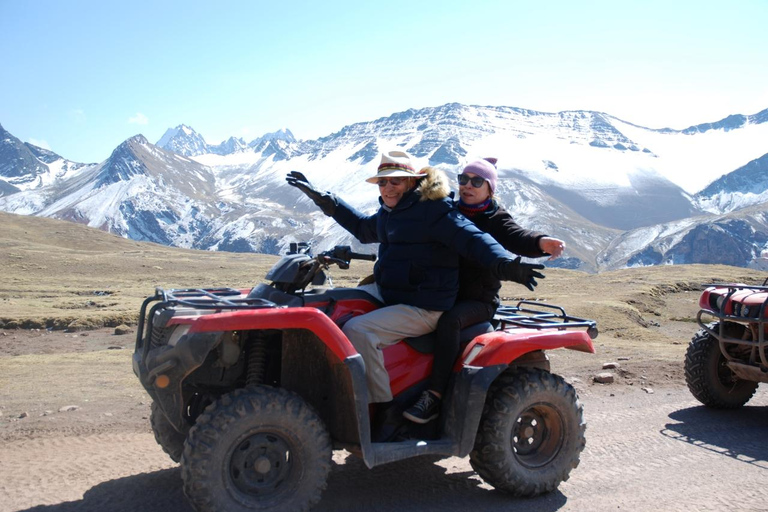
736,238
283,134
745,186
24,166
229,146
186,141
18,164
141,192
619,194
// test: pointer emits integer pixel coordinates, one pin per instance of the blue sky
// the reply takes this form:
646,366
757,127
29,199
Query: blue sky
81,76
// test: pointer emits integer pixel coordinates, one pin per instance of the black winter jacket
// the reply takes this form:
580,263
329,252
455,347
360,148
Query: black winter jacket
420,244
479,283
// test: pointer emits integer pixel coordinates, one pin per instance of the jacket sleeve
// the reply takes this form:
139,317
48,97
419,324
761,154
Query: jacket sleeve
360,226
459,233
513,237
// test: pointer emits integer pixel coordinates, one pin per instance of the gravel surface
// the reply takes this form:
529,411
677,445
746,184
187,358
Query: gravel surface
650,445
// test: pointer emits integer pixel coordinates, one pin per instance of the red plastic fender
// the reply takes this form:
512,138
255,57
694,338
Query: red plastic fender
405,366
505,347
275,318
704,298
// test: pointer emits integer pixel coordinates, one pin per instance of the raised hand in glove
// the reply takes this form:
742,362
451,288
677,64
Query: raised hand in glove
324,200
523,273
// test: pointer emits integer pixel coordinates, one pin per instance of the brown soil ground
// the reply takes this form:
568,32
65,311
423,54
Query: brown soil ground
74,428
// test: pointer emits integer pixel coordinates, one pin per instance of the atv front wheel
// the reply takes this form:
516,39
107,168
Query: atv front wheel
169,439
531,433
708,376
257,448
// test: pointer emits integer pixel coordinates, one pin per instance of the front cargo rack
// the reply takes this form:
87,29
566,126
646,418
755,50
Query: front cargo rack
211,298
537,315
197,298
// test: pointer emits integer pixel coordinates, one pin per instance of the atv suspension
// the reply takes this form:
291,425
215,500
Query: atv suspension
257,359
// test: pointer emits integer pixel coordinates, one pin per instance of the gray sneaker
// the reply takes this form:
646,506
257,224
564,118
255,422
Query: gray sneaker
426,408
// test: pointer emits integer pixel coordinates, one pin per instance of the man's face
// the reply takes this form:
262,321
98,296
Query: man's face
393,189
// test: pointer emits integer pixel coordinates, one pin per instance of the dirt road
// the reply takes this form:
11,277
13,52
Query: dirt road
659,451
74,428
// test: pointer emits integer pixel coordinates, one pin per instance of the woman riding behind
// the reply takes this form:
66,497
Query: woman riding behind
478,295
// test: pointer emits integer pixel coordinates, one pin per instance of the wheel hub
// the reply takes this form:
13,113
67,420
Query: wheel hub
260,464
538,435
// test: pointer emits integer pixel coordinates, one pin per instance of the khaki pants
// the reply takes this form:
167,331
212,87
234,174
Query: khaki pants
371,332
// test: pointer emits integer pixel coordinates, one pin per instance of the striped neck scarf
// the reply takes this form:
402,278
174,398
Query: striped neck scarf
470,210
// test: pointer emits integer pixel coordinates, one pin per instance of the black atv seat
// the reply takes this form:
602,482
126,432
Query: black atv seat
426,342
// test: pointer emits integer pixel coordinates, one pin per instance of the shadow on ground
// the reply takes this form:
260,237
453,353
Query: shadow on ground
738,433
417,485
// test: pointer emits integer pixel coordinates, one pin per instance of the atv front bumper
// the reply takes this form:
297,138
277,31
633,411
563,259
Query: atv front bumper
162,371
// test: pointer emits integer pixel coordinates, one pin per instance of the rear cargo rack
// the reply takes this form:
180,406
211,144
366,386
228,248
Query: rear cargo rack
538,315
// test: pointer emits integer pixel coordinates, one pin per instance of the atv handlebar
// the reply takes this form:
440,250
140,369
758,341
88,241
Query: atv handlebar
344,252
361,256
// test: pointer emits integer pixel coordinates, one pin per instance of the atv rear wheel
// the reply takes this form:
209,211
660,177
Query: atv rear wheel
709,379
257,448
531,433
169,439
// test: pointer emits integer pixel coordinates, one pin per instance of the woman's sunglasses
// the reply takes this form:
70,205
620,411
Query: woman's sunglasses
476,181
382,182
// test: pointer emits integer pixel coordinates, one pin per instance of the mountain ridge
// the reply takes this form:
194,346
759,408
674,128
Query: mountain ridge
600,183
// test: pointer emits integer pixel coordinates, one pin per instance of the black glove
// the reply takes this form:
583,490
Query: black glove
523,273
324,200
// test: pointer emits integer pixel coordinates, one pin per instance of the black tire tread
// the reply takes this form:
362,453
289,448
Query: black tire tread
169,439
251,402
492,457
702,379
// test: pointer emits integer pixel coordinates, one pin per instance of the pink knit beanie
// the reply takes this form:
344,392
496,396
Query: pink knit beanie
486,169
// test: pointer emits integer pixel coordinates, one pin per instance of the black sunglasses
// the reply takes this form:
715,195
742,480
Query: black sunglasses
382,182
476,181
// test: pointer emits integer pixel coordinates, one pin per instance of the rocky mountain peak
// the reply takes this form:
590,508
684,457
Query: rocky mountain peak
283,134
43,154
585,176
124,162
229,146
184,141
17,162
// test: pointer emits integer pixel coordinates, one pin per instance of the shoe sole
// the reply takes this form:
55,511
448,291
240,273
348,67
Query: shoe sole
418,420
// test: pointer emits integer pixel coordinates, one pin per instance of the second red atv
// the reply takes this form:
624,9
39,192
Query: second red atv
253,389
728,357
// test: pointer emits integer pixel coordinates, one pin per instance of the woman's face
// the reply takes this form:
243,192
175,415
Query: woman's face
393,189
471,195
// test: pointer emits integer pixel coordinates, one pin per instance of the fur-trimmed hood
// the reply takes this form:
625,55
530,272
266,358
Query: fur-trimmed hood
434,186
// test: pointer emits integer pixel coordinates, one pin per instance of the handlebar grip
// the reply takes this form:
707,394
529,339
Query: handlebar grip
361,256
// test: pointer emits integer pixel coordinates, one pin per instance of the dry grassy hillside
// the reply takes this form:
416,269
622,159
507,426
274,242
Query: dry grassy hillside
60,274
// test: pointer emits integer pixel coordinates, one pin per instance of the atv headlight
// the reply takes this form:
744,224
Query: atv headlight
178,333
719,302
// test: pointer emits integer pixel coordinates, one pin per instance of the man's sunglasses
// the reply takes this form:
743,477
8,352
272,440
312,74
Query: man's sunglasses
476,181
382,182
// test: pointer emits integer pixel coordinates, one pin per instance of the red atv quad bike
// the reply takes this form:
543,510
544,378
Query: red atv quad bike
728,357
253,389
